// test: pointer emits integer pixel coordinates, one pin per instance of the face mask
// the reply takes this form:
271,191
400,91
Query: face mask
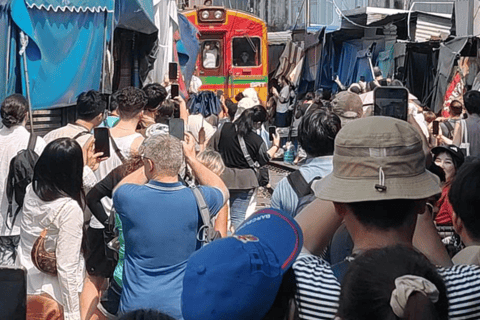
111,121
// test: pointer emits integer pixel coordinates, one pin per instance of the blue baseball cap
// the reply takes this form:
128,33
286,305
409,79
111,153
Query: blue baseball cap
238,277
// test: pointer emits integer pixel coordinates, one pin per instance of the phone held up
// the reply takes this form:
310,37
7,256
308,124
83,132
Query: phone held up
172,71
176,128
174,90
102,141
271,132
391,102
435,128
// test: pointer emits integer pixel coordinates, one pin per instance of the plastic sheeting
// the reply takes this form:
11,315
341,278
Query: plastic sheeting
188,48
135,15
166,20
66,48
449,51
5,28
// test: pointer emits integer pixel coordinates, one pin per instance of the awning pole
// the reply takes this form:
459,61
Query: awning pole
23,52
7,71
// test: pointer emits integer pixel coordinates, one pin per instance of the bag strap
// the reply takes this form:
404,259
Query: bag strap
78,135
243,146
340,269
57,214
299,184
32,141
117,150
464,143
449,127
209,232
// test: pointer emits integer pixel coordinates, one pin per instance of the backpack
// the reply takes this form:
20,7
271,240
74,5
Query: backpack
302,188
20,175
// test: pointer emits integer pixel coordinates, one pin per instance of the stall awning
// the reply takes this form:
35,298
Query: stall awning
66,48
71,5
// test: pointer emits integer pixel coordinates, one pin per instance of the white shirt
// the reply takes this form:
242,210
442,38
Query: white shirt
12,140
210,58
124,144
69,131
66,231
194,125
284,96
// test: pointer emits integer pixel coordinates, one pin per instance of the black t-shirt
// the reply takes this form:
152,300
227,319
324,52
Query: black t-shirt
232,154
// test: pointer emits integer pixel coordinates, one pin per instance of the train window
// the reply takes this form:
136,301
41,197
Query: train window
211,54
246,52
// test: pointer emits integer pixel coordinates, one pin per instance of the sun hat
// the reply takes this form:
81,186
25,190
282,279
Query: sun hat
454,151
238,277
377,158
348,106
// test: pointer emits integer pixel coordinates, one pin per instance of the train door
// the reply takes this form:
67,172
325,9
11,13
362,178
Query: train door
212,62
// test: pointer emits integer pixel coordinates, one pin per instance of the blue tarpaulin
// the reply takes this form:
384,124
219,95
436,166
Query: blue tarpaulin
187,48
66,47
5,30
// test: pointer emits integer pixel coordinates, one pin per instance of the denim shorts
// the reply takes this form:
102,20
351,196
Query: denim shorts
110,300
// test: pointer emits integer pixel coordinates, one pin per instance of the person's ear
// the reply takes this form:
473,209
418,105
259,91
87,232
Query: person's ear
457,223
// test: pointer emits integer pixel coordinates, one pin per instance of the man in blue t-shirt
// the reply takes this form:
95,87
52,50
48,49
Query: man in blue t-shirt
160,222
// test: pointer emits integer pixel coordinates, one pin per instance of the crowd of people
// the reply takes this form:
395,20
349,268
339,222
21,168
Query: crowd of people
378,222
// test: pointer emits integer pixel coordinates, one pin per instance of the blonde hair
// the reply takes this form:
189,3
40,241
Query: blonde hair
212,160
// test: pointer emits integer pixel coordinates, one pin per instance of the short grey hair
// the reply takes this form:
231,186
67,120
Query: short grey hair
212,160
166,153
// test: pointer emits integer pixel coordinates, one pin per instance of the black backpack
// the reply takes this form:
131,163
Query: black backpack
20,175
302,188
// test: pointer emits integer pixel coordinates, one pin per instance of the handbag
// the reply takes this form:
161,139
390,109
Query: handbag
43,260
263,176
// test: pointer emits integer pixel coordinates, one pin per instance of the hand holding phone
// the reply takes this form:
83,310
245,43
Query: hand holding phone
271,132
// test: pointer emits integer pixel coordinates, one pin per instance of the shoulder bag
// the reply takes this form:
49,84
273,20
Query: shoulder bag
43,260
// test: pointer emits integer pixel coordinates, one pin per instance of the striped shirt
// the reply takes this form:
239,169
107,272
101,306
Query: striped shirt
318,290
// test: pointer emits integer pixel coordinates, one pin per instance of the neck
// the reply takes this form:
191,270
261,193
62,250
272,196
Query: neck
87,125
126,125
365,238
164,178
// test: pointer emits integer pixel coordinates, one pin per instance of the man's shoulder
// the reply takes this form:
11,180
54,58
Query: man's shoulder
463,290
452,275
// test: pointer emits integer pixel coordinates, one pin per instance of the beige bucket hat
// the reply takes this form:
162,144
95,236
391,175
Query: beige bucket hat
377,158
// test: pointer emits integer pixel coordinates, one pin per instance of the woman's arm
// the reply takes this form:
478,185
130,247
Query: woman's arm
69,242
222,221
457,134
104,189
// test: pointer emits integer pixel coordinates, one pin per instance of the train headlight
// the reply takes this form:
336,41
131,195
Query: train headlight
218,15
205,14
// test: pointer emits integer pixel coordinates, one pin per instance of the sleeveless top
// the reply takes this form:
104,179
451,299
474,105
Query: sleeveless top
124,144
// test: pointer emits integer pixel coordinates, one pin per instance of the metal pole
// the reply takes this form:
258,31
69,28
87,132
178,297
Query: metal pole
104,62
307,14
23,52
7,73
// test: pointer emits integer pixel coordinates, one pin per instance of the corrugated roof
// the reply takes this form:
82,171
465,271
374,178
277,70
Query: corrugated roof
279,37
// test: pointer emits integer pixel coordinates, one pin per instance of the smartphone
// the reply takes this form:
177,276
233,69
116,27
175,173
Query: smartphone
271,132
174,90
102,141
13,296
172,70
391,102
435,127
176,128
